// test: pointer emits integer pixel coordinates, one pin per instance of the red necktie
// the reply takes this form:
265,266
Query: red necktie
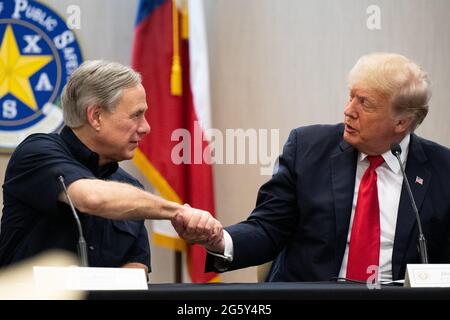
364,248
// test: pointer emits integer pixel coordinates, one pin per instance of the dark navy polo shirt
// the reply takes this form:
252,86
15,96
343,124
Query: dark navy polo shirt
34,220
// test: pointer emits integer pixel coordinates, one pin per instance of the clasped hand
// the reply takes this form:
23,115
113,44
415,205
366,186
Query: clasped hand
198,226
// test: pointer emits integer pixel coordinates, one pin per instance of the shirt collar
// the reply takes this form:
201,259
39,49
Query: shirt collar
85,156
390,159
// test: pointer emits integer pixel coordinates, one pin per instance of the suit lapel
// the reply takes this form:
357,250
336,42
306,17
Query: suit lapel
406,219
343,169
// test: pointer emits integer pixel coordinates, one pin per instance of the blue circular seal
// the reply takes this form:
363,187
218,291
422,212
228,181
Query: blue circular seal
38,52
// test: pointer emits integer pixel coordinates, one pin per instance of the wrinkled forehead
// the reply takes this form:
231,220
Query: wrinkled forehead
132,99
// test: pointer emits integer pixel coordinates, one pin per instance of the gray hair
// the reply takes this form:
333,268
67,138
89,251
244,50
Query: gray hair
396,77
98,83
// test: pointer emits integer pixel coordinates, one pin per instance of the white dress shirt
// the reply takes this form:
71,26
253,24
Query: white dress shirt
389,185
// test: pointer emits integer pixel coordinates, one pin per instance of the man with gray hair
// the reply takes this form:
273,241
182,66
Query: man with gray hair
337,206
103,106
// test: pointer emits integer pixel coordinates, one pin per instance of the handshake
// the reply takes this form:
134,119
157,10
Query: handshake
199,226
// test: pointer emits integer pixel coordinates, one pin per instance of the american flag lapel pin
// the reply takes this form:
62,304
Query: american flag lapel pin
419,180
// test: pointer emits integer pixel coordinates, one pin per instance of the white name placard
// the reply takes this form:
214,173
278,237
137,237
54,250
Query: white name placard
84,278
427,275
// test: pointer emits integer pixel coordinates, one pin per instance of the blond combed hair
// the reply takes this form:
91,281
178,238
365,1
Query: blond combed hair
397,78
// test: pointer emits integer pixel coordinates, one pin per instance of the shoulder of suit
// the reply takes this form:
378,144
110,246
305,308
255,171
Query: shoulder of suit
320,133
437,160
437,155
433,147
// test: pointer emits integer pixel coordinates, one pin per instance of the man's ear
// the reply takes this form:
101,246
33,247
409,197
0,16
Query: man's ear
404,124
94,116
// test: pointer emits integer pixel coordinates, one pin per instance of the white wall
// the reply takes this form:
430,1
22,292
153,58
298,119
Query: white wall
281,64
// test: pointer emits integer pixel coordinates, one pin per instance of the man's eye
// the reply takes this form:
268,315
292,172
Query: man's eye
365,103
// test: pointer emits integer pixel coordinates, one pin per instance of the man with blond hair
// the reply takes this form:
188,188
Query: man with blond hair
337,206
103,106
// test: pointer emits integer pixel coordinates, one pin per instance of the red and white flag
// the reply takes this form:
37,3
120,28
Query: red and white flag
171,55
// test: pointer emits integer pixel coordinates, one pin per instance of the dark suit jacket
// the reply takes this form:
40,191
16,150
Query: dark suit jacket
303,212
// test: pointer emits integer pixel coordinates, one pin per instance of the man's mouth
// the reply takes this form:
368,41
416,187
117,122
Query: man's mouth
349,128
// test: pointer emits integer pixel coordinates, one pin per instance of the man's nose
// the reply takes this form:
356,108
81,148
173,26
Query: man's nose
350,110
144,127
